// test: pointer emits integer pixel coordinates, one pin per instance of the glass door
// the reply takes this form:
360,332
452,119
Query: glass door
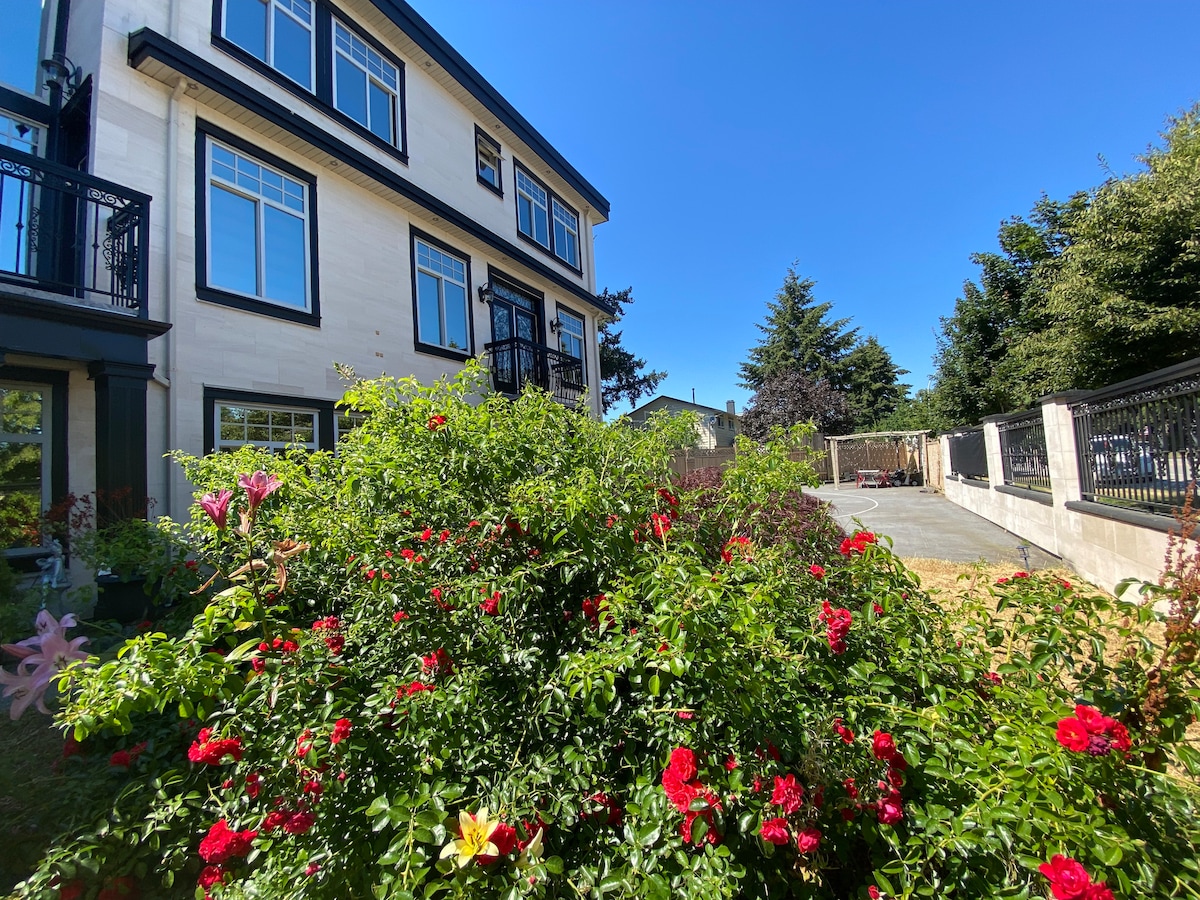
516,332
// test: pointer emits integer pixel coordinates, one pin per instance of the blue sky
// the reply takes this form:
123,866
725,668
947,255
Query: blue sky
875,144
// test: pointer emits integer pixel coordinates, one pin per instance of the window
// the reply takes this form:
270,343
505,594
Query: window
441,286
347,420
25,452
269,427
531,210
566,235
570,342
279,32
258,232
487,162
366,87
18,134
546,220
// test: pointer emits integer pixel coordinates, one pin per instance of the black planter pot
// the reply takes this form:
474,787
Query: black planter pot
123,601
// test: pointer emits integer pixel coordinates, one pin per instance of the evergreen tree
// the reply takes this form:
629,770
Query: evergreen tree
800,337
872,388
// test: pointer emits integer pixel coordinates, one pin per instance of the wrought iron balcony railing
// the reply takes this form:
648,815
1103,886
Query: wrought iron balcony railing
517,363
68,233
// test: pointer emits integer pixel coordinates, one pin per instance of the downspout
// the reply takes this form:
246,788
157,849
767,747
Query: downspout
171,201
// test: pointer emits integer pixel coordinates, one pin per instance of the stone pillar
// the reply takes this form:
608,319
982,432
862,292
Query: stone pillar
1061,453
120,437
991,447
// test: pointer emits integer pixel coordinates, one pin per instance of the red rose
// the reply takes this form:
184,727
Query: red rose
222,842
1068,879
300,822
808,840
312,869
843,732
120,760
775,831
1099,891
72,890
1092,719
1072,734
788,793
1120,736
884,747
817,572
211,875
504,836
435,422
341,731
889,810
873,893
399,615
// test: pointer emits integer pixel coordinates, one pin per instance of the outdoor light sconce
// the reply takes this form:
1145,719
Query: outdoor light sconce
485,293
62,73
555,325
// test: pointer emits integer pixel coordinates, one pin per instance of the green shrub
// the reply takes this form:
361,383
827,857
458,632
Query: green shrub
505,610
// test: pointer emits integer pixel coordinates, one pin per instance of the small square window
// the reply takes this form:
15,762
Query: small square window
487,162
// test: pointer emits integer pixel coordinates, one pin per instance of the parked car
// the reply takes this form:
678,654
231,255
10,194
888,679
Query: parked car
1118,457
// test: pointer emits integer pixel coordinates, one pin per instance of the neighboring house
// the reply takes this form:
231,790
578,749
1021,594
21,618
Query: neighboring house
717,428
215,200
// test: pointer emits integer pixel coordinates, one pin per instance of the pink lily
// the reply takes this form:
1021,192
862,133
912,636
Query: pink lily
258,487
42,657
24,690
45,624
217,506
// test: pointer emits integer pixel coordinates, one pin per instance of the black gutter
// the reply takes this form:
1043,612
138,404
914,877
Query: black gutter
147,44
423,34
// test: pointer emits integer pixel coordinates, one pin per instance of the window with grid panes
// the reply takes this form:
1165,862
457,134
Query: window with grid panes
366,87
269,427
442,317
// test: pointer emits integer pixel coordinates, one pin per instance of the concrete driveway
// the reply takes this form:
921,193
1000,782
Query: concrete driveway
926,524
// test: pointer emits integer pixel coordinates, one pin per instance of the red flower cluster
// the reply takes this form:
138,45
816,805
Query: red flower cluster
788,793
817,572
1015,575
123,759
1091,732
341,731
334,640
593,606
1070,881
843,732
837,626
209,876
660,525
278,644
808,840
775,831
222,842
438,663
741,544
414,687
612,813
205,749
856,543
682,786
291,821
399,615
490,605
435,422
888,808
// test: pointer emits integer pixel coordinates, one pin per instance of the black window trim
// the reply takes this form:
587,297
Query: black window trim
321,97
560,307
537,296
159,58
551,198
482,137
324,409
415,234
206,132
58,381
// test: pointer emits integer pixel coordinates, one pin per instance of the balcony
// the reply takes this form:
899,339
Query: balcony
68,236
517,364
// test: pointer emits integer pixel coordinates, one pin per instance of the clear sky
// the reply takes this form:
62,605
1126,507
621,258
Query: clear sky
875,144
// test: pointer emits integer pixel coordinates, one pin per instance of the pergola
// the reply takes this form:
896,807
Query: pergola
867,438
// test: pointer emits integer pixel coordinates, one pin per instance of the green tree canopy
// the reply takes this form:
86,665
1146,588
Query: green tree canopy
621,373
872,388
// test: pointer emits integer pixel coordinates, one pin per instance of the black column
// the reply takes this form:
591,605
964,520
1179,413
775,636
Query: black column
120,438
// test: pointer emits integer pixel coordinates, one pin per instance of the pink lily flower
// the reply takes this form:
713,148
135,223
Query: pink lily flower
42,657
217,506
45,624
258,487
24,690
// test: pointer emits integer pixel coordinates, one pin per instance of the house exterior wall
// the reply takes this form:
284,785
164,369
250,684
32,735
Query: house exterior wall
144,135
714,427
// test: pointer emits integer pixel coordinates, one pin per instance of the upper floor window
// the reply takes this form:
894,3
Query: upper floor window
279,32
566,235
570,339
487,162
546,220
443,318
366,86
257,250
532,216
15,132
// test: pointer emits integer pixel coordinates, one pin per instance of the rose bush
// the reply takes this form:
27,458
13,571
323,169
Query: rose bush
489,649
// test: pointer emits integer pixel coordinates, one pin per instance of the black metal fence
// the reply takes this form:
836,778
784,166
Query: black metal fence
517,364
1138,442
968,458
69,233
1023,451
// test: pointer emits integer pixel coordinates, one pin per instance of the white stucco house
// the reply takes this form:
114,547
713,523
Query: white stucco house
715,427
267,187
